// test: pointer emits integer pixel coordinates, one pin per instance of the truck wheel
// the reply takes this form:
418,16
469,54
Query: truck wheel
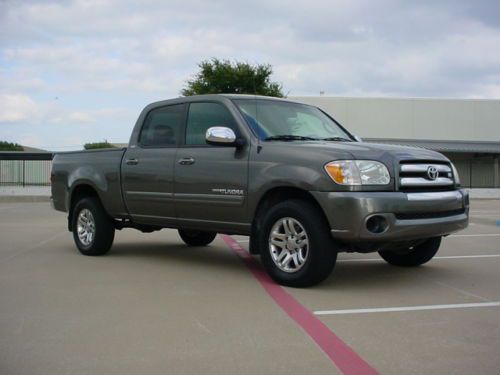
414,256
295,244
196,237
93,229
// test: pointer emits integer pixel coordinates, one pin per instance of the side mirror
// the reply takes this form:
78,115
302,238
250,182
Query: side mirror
357,138
220,136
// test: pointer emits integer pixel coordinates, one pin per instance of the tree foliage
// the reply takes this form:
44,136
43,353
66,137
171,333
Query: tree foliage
95,145
8,146
223,76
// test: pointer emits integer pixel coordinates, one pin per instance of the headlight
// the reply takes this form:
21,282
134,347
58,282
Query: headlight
358,172
455,174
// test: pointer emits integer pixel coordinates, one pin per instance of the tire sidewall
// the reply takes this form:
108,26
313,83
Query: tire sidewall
196,238
320,250
104,230
420,255
81,205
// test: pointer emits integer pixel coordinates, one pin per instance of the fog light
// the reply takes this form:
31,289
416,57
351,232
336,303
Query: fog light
377,224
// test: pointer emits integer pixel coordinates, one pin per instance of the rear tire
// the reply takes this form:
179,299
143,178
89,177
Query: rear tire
415,256
296,247
196,237
93,229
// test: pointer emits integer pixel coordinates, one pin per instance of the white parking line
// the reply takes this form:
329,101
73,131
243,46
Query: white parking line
407,308
445,257
468,256
476,235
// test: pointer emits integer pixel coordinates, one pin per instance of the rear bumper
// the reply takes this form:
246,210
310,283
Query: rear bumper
406,216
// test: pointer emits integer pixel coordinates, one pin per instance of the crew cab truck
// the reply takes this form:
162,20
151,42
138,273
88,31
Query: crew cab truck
284,173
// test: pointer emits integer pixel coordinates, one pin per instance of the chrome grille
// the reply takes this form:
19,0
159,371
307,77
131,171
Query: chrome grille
425,175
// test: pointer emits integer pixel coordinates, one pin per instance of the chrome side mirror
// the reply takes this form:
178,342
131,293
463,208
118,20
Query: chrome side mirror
357,138
220,136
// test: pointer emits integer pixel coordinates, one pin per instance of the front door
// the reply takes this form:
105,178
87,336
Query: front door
210,181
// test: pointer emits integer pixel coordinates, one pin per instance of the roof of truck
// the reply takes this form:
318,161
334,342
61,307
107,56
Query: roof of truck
182,99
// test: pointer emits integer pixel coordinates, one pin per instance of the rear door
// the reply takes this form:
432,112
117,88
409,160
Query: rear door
210,181
148,167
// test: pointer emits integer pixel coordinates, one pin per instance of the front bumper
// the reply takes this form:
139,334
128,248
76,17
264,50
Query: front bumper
408,216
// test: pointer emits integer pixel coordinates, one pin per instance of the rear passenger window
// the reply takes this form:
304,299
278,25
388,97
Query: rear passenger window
202,116
162,126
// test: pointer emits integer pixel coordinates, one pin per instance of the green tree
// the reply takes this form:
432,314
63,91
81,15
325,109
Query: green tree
8,146
95,145
223,76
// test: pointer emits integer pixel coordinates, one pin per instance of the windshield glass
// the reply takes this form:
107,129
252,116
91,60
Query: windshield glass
277,120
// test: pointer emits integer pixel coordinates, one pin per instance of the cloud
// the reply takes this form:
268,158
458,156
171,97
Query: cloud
16,108
72,62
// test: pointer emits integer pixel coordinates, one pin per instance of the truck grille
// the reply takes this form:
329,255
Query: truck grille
425,176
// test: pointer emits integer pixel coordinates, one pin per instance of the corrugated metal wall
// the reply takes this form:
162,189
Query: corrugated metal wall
425,119
476,171
414,118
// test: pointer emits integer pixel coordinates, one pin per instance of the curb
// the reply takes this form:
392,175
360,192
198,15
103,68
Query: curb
24,198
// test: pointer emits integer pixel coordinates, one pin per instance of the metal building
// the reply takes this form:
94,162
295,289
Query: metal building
466,130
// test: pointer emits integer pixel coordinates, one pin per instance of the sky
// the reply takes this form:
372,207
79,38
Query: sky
80,71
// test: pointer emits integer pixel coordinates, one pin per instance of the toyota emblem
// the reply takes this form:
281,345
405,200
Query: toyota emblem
432,173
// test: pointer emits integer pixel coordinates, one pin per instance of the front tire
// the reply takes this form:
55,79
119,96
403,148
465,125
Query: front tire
414,256
295,244
93,229
196,237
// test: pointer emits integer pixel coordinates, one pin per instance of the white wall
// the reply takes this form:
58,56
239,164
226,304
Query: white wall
434,119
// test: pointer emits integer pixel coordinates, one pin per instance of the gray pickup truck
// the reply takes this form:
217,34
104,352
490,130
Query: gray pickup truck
284,173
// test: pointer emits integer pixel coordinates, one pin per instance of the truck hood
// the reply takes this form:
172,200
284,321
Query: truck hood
374,151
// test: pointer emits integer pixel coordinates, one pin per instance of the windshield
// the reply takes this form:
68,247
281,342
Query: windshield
277,120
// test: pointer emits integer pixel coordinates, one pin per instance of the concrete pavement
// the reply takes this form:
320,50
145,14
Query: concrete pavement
153,305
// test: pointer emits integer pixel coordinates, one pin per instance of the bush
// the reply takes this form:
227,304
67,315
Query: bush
95,145
8,146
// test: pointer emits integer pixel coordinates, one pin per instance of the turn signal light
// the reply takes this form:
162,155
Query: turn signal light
336,173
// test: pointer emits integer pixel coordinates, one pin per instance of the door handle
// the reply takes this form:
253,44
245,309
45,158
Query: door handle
132,161
186,161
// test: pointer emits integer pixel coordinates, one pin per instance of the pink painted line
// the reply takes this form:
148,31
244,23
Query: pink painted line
346,359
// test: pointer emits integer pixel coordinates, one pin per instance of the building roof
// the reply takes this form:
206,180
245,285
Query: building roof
444,146
120,145
23,155
32,149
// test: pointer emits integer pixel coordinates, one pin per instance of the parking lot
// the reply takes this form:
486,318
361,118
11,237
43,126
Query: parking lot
153,305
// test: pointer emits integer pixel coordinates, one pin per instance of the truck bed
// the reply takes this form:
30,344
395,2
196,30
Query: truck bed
97,168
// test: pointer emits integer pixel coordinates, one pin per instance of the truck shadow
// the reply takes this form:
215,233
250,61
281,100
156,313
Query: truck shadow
355,276
210,258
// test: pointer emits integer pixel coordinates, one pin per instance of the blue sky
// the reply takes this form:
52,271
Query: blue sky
79,71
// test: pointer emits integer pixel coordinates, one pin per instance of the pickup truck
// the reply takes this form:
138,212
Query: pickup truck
284,173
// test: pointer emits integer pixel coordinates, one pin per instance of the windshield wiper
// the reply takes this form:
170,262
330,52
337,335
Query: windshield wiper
289,137
338,139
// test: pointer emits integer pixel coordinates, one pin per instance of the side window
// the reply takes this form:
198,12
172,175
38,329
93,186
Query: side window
162,126
202,116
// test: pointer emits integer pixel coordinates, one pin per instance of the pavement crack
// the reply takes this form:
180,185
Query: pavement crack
461,291
16,253
202,326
